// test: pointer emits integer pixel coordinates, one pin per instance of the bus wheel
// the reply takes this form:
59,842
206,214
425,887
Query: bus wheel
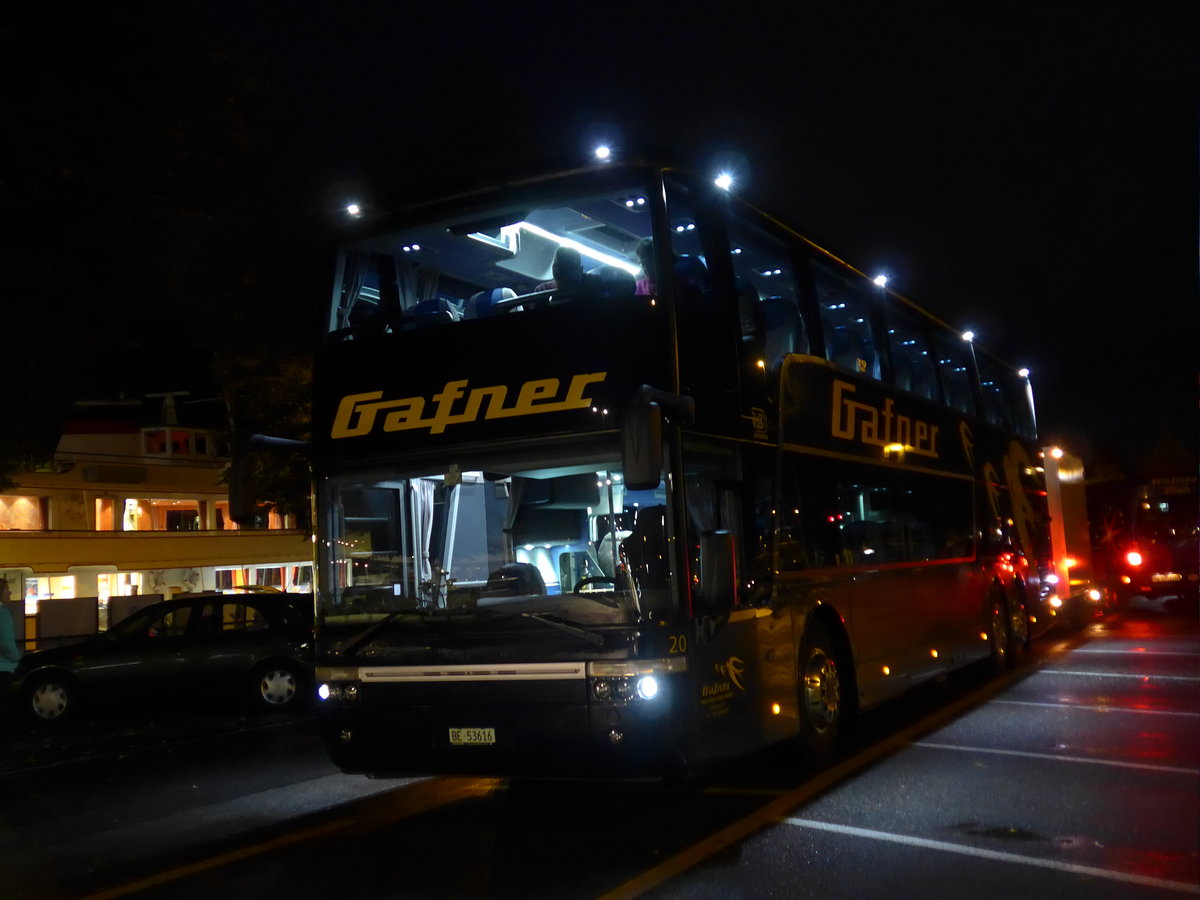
1016,630
998,630
820,695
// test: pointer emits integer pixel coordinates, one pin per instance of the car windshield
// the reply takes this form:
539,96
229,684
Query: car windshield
569,542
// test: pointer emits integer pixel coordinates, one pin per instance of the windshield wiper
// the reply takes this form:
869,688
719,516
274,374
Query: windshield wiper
363,637
583,634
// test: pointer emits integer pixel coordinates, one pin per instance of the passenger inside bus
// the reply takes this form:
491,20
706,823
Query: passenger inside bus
645,286
566,271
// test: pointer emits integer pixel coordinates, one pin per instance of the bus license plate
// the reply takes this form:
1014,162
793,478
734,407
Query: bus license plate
472,737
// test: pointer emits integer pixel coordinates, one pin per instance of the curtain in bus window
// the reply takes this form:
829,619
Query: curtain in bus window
355,279
423,493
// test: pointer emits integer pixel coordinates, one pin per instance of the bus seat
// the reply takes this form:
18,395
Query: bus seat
481,304
513,580
691,273
439,309
609,281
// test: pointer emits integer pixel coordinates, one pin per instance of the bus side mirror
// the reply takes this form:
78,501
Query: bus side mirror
641,450
718,573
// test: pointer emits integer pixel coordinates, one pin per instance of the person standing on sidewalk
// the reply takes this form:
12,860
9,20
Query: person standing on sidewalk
9,654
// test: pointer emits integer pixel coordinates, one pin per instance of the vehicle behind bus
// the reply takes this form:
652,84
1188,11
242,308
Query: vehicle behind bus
1156,555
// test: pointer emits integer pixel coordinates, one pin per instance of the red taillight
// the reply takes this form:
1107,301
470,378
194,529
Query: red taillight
1133,558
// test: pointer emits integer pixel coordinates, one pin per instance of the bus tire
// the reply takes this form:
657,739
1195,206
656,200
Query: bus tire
997,630
1016,627
821,703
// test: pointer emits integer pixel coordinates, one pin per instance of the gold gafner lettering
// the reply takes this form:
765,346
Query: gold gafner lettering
879,426
356,413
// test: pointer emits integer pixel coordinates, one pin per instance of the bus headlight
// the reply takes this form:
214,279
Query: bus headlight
332,691
647,687
631,680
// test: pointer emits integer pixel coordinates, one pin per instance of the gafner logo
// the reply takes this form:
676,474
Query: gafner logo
356,413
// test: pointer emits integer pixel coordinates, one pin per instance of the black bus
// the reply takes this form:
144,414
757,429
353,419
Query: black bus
617,475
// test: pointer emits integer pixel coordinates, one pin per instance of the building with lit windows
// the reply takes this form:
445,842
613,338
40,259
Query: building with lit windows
134,504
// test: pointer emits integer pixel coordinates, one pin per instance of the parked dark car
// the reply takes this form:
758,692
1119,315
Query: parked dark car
201,647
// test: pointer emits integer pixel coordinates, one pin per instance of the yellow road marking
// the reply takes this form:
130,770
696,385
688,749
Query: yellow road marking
371,813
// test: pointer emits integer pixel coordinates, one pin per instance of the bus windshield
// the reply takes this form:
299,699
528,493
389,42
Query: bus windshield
492,542
478,264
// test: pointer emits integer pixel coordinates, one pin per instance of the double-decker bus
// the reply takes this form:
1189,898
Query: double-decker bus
617,475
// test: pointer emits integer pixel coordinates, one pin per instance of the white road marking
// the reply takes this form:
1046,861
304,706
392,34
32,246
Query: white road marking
1090,707
1171,770
1195,678
946,847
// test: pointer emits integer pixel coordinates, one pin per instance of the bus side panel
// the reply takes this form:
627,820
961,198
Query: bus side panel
913,623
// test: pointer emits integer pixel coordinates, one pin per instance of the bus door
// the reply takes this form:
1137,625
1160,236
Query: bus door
731,614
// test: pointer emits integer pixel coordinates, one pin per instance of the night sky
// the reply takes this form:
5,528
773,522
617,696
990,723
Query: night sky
1028,171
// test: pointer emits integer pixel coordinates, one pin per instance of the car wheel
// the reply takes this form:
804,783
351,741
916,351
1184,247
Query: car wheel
278,685
52,699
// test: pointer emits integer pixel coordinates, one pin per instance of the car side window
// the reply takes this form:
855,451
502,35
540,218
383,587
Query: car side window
242,617
173,623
